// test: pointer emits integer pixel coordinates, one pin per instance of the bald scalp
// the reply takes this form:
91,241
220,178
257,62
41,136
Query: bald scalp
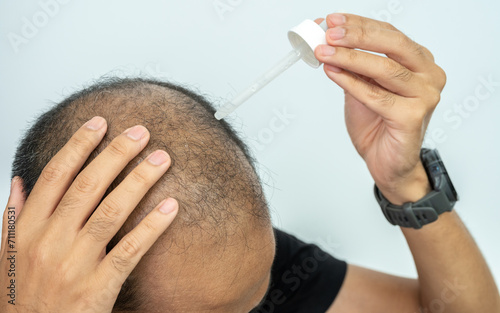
212,175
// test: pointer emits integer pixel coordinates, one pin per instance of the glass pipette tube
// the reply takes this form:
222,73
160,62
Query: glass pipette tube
291,58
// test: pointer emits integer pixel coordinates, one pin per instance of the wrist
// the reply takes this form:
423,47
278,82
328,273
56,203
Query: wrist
411,189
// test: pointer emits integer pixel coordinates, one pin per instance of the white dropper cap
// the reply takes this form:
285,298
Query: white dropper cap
304,38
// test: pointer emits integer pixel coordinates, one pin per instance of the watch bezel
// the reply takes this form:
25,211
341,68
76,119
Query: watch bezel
436,172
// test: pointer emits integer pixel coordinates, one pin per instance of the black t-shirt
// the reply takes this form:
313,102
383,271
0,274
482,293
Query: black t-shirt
304,278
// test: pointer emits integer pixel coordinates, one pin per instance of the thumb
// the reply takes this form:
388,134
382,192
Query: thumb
14,207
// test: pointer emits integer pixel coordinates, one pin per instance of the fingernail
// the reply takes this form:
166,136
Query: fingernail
158,157
96,123
331,68
337,33
337,19
327,50
136,132
168,206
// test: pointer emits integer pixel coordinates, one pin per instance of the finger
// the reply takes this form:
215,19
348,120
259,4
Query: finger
120,261
58,174
372,96
367,34
337,19
90,185
319,20
117,206
386,72
17,196
14,207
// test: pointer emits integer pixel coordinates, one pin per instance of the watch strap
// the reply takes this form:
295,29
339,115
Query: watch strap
410,215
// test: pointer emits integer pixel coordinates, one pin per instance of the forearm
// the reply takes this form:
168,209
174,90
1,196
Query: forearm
453,275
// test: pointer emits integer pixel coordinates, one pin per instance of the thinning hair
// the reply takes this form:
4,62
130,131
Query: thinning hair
212,175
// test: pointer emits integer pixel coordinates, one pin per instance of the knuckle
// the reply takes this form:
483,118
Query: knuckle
149,226
85,183
68,204
418,50
428,53
408,43
81,143
97,229
396,71
130,246
385,99
417,114
434,98
402,38
53,173
66,271
110,209
139,178
106,218
389,26
402,74
361,33
377,96
441,77
117,148
120,263
373,93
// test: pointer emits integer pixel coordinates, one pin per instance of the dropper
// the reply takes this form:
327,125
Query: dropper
304,38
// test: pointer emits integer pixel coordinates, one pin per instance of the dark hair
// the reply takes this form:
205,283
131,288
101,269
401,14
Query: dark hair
212,175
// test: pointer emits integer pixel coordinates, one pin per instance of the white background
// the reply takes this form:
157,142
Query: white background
318,187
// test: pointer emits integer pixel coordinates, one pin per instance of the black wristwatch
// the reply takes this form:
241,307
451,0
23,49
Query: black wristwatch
441,199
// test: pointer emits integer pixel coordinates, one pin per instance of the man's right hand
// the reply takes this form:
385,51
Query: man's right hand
53,258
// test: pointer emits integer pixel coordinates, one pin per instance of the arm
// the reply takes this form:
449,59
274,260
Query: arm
451,269
388,105
453,277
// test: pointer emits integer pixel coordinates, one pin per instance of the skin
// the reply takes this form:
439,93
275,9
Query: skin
233,277
76,275
388,104
209,277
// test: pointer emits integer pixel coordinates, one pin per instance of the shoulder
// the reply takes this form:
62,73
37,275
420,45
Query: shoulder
304,278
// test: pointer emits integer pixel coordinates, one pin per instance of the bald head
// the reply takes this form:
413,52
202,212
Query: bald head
216,255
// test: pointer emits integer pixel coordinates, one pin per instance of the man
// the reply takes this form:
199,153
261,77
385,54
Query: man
220,254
